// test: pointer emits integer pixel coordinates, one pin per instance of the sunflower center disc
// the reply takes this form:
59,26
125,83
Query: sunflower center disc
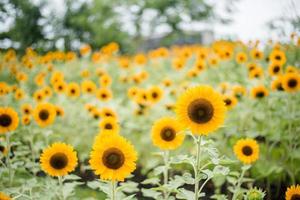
5,120
276,69
260,94
168,134
247,150
113,158
154,95
292,83
200,111
59,161
44,114
227,102
296,197
108,126
278,57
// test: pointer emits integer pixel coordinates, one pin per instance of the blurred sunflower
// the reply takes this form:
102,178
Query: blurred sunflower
155,94
26,109
278,56
246,150
9,120
274,69
201,109
291,82
276,84
167,133
241,57
108,112
88,87
259,92
73,90
26,119
105,80
293,193
109,124
104,94
114,158
59,159
4,196
230,101
44,114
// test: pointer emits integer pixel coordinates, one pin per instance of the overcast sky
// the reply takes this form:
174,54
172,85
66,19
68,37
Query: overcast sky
249,19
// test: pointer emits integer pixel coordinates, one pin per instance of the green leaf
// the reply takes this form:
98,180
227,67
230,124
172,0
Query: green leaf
153,181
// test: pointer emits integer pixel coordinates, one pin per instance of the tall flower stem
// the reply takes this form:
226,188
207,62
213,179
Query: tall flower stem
60,183
197,166
166,175
8,161
238,186
113,190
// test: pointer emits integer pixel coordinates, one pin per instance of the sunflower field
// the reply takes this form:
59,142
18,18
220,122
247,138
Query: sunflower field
190,122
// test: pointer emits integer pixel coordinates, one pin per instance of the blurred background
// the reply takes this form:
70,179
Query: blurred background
139,25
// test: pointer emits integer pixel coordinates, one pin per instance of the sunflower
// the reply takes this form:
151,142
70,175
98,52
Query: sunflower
278,56
132,91
108,112
60,87
105,80
73,90
109,124
293,193
259,92
155,94
38,96
114,158
4,196
9,119
276,84
241,57
103,134
256,73
239,91
59,111
59,159
274,69
167,133
19,94
201,109
47,91
291,69
291,82
246,150
44,114
88,87
104,94
167,82
230,101
26,119
200,65
256,54
26,109
96,113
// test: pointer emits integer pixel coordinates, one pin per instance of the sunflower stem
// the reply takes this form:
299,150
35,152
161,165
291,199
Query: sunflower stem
197,167
60,183
237,188
113,190
8,161
166,176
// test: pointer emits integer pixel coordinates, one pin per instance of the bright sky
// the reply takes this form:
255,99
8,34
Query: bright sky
252,15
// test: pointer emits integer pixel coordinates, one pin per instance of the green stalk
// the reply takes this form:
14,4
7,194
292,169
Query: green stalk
197,167
60,183
8,161
166,175
113,190
237,188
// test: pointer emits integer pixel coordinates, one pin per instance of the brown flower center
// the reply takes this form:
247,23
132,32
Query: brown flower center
59,161
228,102
292,83
247,150
200,111
278,57
5,120
295,197
44,114
260,94
168,134
113,158
108,126
154,95
276,69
